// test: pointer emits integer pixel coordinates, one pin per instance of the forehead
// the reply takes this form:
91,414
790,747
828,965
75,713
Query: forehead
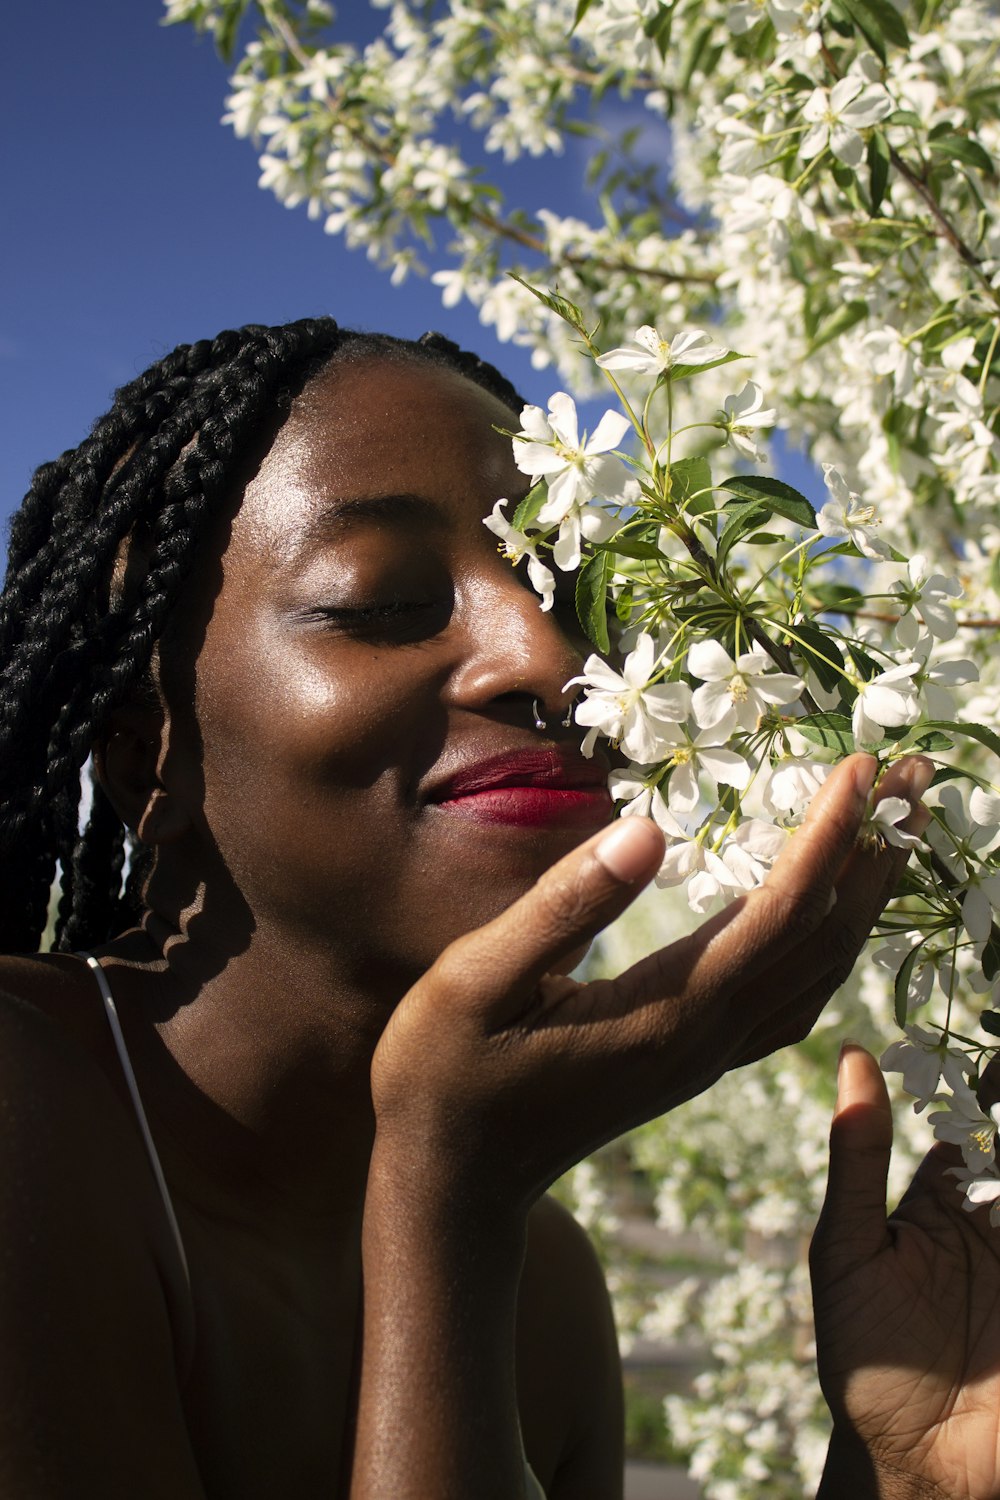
366,430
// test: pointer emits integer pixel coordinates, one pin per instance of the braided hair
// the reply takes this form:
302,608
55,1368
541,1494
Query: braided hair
159,466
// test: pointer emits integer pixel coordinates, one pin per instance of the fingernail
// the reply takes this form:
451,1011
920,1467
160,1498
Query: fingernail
864,776
921,776
628,849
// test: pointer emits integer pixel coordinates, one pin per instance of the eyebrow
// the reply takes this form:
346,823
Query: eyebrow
338,517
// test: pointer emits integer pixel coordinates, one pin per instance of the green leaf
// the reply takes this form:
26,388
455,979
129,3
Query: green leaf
837,598
695,55
979,732
657,28
530,506
989,1020
691,476
764,539
779,498
743,519
682,371
866,665
582,7
837,323
991,958
878,169
623,604
903,117
832,730
821,653
627,546
880,21
929,743
964,149
592,598
561,306
901,988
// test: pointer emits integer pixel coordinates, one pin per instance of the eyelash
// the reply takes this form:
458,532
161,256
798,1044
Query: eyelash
372,619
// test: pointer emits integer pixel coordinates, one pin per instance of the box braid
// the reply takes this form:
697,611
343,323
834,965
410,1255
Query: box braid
159,466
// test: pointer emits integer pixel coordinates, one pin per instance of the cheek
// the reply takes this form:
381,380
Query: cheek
295,732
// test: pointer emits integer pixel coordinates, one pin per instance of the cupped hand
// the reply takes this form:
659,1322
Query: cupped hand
497,1070
907,1314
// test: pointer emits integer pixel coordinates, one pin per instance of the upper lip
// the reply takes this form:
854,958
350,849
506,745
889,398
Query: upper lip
562,769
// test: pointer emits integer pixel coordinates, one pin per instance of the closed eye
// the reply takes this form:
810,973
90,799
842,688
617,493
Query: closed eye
408,619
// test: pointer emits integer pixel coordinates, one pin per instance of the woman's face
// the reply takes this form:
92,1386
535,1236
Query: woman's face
363,694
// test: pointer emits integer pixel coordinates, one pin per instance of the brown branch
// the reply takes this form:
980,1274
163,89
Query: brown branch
945,229
501,228
887,619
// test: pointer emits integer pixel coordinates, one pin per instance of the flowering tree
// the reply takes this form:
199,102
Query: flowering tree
830,211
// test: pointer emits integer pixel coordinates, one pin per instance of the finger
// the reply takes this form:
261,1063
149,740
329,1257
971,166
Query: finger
753,933
852,1225
864,885
499,965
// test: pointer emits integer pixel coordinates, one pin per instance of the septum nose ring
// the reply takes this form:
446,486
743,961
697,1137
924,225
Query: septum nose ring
541,723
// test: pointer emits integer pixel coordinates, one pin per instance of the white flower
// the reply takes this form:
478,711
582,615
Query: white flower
838,114
643,800
929,591
980,1189
626,708
741,414
751,851
514,545
984,809
934,680
981,900
703,753
744,688
922,1059
846,515
706,873
551,448
652,355
888,701
963,1123
793,782
886,815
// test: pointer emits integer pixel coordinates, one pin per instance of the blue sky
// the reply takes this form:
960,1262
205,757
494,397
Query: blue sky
134,222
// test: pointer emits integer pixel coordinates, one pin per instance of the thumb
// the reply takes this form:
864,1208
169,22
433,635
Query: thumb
499,965
852,1225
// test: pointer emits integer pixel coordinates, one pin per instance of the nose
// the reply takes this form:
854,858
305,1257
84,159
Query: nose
514,653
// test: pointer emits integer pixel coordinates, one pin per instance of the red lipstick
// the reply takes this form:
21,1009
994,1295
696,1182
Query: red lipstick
530,789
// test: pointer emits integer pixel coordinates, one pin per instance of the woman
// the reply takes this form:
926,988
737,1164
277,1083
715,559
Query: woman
367,849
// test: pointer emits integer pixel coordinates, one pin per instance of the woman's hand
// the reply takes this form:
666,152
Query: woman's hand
496,1073
907,1316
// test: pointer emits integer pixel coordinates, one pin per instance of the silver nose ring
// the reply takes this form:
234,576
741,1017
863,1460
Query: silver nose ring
542,723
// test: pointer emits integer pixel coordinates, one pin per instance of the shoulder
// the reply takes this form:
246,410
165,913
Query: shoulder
87,1318
59,1108
72,1164
569,1372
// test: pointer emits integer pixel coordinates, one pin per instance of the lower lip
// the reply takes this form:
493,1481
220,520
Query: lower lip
535,806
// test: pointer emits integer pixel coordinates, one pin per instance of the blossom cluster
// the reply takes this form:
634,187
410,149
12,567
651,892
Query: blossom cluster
757,640
832,200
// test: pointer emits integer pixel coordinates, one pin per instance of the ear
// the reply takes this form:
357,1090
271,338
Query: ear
126,762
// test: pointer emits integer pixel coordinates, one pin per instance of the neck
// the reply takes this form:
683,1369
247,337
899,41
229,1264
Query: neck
254,1064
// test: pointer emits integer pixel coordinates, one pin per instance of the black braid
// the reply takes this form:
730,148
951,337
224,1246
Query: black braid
158,467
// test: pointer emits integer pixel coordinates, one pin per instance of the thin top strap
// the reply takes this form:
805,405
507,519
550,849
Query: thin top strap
133,1088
